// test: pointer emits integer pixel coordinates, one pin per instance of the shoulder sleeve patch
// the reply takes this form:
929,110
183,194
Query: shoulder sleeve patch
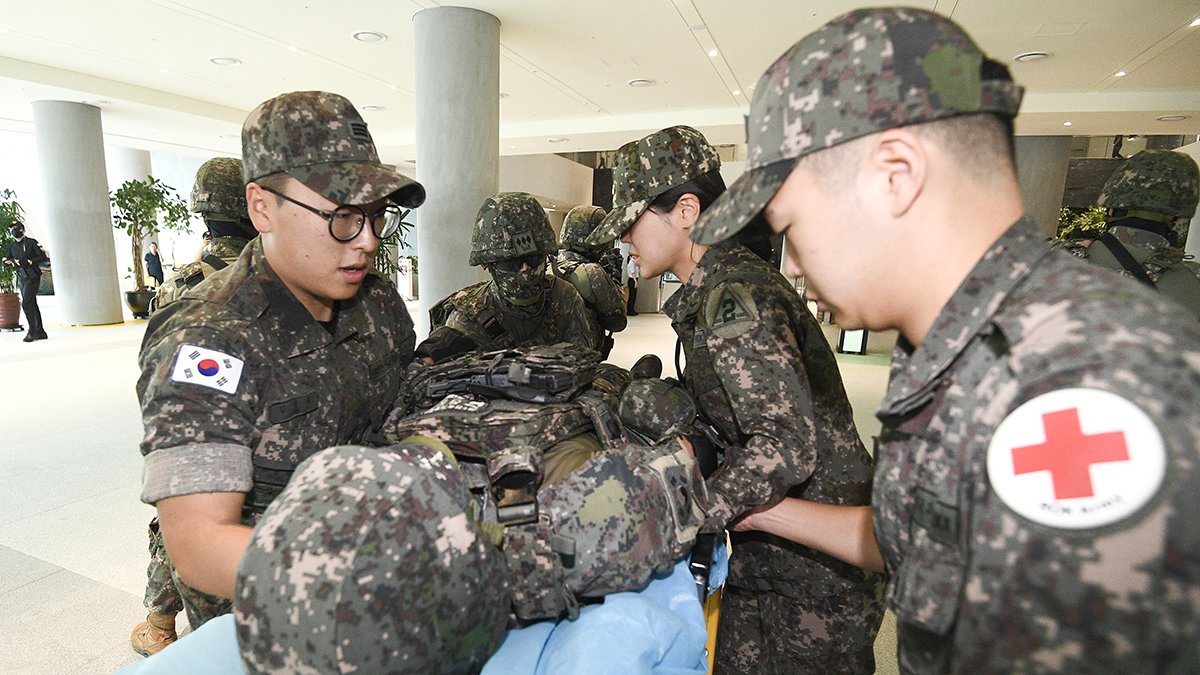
207,368
1076,459
730,309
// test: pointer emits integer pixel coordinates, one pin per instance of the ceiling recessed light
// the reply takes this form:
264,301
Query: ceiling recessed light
713,52
292,49
368,36
1067,124
737,92
1031,56
98,102
512,147
373,108
557,139
1172,118
225,61
1195,22
1121,73
164,71
641,82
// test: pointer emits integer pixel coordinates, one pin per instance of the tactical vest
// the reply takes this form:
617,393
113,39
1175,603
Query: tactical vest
578,510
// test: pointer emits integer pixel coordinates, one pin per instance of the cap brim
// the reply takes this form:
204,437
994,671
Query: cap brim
360,183
617,222
734,209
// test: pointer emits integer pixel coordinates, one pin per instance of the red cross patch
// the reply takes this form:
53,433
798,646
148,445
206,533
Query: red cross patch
1076,459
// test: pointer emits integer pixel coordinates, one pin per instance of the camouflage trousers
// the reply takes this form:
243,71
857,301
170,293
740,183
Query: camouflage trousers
765,633
167,594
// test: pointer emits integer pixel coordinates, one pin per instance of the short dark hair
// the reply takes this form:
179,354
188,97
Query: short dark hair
707,187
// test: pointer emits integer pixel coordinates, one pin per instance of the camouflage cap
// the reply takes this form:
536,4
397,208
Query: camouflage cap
1158,183
367,562
219,189
656,408
510,225
866,71
319,139
644,169
579,223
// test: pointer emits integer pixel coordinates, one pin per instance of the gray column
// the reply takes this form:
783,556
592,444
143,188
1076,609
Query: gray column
1042,174
70,149
458,142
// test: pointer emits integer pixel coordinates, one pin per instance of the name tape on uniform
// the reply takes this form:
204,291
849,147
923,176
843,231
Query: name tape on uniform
207,368
1076,459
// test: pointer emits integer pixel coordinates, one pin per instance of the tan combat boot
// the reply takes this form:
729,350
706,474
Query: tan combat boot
154,634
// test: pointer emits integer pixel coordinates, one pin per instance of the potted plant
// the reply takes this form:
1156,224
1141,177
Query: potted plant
141,209
10,303
387,257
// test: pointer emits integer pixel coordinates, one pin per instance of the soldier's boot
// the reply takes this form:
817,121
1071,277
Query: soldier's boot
154,634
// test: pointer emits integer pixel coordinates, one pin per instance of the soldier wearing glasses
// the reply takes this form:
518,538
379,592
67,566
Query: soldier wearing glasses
295,347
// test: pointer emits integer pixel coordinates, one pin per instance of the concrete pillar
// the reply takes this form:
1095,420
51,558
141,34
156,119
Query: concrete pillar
457,54
70,149
1042,174
125,164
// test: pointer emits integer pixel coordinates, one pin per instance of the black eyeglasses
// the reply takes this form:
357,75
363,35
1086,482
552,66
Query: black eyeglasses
513,265
347,220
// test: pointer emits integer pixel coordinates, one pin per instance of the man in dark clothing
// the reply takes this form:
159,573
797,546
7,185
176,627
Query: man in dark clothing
27,256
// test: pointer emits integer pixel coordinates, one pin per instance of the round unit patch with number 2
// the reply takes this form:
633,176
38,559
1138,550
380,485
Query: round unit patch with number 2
1076,459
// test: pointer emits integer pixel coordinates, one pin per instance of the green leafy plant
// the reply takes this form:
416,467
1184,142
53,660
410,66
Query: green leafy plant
386,257
143,208
1081,223
10,212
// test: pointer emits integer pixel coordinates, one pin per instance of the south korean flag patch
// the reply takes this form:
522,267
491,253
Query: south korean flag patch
1077,459
207,368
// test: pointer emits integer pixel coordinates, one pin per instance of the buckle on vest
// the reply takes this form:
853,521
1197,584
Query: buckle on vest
516,505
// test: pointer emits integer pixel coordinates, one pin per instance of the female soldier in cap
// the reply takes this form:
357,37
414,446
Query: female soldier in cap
764,376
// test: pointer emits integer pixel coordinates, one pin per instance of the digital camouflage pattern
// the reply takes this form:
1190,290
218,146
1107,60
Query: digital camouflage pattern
657,409
864,72
370,561
319,139
1117,598
1159,185
648,167
602,299
489,322
224,249
763,375
302,388
579,223
613,264
1154,197
218,189
510,225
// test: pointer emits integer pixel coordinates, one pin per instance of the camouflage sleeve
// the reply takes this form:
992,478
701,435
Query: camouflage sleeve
610,306
760,367
198,399
572,320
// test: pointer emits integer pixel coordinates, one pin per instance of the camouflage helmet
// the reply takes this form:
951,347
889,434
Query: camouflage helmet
368,560
1156,183
646,168
218,189
579,223
865,71
510,225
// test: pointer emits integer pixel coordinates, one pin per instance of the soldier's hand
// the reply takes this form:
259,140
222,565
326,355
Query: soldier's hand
686,445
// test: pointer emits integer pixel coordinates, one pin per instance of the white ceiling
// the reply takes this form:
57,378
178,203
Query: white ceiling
564,64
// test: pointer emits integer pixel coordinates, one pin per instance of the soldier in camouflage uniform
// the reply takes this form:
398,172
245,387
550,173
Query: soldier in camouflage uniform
401,579
219,196
578,263
764,376
1037,471
1151,200
521,305
295,347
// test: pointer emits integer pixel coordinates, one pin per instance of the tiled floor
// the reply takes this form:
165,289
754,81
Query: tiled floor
72,531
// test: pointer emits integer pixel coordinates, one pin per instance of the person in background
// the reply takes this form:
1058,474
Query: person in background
1038,466
154,264
631,284
28,257
579,263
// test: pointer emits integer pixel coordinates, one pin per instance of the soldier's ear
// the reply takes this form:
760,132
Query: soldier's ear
688,210
897,162
260,205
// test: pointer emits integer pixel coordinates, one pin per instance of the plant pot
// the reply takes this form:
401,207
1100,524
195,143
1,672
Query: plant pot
10,311
139,303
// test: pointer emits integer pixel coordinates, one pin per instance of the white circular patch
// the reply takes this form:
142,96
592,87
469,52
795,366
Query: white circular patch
1076,459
